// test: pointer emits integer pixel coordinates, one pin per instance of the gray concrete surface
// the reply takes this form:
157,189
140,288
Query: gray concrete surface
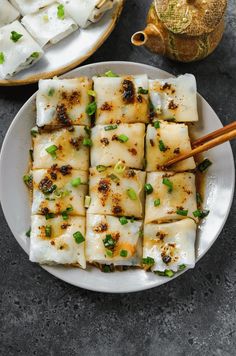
193,315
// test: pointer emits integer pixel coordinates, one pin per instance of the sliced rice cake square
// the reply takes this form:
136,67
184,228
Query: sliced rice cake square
117,194
49,25
30,6
165,141
174,98
62,147
56,241
172,196
59,191
169,247
63,102
122,99
114,143
8,13
108,241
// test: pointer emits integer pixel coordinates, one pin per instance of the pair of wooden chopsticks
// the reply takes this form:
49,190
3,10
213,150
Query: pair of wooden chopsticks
204,143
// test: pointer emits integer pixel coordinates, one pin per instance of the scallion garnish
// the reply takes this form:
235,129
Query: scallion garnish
123,220
60,12
92,93
119,168
15,36
109,253
157,202
109,242
148,188
123,138
87,130
101,168
182,212
79,238
35,55
28,232
123,253
51,92
204,165
201,214
87,141
182,267
31,152
131,194
91,108
162,146
87,201
52,151
109,73
49,216
199,198
106,269
34,132
65,213
75,182
169,273
48,230
114,178
148,261
168,183
156,124
28,180
2,58
110,127
142,90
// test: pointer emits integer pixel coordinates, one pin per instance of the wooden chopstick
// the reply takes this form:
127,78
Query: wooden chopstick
100,4
226,136
214,134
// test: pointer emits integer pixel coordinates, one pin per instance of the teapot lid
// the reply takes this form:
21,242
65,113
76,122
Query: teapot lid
190,17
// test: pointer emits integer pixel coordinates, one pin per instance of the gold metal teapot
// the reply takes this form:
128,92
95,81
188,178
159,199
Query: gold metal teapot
183,30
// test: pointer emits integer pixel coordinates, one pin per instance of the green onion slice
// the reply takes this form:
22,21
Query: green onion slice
201,214
148,261
28,232
162,146
92,93
131,194
101,168
15,36
111,74
148,188
79,238
168,183
119,167
48,230
123,220
182,212
123,253
75,182
114,178
51,92
49,216
142,90
123,138
35,55
110,127
52,150
156,124
157,202
2,58
87,142
60,12
87,201
109,242
109,253
91,108
204,165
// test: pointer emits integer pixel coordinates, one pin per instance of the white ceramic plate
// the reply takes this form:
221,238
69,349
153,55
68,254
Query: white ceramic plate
70,52
16,206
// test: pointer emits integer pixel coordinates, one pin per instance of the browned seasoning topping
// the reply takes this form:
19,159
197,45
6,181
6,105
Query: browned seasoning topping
165,86
172,105
62,116
71,129
76,142
114,138
52,242
152,143
172,91
172,245
71,99
45,211
61,247
166,259
177,150
65,170
106,107
128,91
117,209
130,173
64,226
45,184
160,235
104,186
105,141
53,175
100,227
139,98
133,151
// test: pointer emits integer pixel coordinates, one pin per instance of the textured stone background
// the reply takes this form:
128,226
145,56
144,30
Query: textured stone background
193,315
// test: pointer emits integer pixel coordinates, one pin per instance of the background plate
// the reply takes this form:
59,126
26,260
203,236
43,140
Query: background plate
16,205
71,51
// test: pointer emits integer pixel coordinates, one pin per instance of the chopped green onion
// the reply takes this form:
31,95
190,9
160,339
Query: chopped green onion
168,183
78,237
132,219
87,130
28,232
199,198
182,267
2,58
123,253
151,106
110,127
109,73
109,242
49,190
87,142
182,212
123,220
123,138
49,216
48,230
31,152
148,188
101,168
51,92
114,178
201,214
119,168
15,36
28,180
131,194
91,108
169,273
52,151
60,193
162,146
156,124
75,182
65,213
35,55
60,12
106,269
92,93
87,201
157,202
148,261
142,90
204,165
109,253
34,132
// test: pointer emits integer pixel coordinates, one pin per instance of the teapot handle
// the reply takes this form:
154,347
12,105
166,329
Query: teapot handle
151,37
